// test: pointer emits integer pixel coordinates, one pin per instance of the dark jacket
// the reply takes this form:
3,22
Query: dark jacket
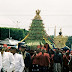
27,60
57,58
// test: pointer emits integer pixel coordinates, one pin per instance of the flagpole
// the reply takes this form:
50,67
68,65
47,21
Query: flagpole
23,39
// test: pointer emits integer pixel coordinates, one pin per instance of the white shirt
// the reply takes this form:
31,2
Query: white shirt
19,62
0,62
7,61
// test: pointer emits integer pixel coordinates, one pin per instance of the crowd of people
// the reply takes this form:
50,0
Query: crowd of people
39,60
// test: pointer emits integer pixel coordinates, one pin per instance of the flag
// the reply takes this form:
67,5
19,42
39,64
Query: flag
24,38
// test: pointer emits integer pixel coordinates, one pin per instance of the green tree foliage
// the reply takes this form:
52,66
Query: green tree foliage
69,41
4,33
15,33
36,31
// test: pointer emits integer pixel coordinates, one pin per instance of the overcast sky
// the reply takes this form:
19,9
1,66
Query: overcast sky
53,12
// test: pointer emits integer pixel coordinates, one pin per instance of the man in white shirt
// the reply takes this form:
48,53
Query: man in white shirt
19,62
0,60
6,61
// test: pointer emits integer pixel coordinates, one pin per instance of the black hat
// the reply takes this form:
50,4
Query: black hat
23,46
28,48
17,50
12,48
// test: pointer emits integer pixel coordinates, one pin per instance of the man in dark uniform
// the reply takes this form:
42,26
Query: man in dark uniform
57,61
26,57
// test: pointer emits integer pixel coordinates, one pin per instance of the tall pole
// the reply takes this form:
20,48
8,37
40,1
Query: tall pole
55,32
18,24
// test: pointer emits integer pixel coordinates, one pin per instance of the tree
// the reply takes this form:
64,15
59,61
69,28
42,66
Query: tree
36,31
4,33
15,33
69,41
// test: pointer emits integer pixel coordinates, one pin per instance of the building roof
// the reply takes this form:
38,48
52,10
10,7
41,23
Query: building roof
9,41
